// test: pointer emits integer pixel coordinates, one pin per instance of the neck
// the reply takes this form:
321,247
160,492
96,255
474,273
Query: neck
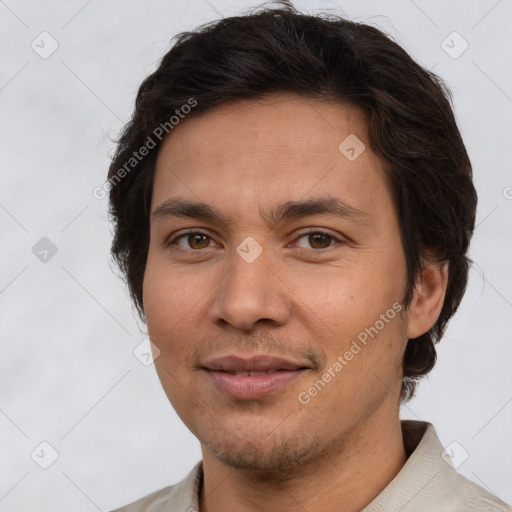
346,477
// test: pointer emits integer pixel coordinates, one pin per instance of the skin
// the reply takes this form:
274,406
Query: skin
206,301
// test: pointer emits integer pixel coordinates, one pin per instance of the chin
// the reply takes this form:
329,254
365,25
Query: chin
263,453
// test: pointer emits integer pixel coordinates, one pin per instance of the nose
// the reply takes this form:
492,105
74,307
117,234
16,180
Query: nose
251,293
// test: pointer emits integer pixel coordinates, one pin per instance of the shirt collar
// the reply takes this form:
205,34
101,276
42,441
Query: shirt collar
419,477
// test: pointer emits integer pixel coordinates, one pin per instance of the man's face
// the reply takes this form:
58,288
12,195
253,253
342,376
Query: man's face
305,290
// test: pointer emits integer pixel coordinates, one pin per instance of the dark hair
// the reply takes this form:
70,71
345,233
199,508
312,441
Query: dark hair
278,49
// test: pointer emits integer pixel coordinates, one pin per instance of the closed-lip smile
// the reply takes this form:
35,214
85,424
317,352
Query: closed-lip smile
250,378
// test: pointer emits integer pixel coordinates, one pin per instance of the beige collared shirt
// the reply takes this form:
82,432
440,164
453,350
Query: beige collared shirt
427,482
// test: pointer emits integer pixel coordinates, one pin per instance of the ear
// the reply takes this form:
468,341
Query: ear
428,298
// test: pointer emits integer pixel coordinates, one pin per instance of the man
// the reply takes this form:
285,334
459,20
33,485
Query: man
293,206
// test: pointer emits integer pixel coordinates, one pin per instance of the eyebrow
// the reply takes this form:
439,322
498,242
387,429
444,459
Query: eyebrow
327,205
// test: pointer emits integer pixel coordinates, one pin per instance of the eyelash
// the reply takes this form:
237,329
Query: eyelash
301,235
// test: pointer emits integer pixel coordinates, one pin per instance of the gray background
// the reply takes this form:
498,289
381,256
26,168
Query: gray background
68,374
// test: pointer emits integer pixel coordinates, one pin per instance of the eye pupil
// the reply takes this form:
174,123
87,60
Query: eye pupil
194,238
314,239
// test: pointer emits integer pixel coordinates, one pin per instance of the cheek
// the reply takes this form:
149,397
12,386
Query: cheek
363,366
166,307
352,295
159,306
167,300
168,290
355,314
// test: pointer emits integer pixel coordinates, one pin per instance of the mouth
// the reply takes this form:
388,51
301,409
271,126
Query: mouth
252,373
255,377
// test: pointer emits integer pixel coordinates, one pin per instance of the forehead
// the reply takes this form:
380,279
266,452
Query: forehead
283,145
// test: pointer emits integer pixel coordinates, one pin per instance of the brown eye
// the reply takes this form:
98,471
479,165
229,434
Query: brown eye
318,240
199,240
195,240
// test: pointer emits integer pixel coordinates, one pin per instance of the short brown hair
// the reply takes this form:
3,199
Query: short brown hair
278,49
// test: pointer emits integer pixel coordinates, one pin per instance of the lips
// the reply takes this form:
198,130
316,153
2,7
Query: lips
260,363
254,377
250,373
